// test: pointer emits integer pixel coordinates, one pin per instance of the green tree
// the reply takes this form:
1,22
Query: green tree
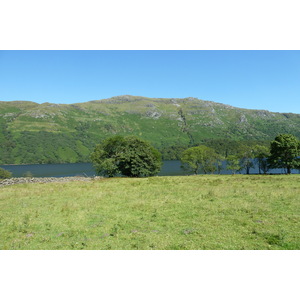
284,152
219,162
128,156
4,174
246,155
200,158
261,154
233,163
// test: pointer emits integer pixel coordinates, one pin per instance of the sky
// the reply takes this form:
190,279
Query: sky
248,79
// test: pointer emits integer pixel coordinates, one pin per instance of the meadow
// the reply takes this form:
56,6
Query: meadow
200,212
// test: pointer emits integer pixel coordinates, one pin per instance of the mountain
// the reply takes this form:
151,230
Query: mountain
58,133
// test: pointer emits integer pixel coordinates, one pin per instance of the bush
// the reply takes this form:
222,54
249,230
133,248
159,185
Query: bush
5,174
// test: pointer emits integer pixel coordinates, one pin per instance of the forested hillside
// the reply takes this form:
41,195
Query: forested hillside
61,133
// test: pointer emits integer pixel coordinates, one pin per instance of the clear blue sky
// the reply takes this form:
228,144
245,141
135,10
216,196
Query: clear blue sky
248,79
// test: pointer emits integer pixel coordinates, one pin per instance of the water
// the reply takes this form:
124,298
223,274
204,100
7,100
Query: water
169,168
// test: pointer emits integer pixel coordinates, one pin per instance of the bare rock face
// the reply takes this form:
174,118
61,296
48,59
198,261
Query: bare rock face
20,180
150,105
265,114
153,114
174,102
243,119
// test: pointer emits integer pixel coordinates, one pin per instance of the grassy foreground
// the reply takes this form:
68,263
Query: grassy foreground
188,212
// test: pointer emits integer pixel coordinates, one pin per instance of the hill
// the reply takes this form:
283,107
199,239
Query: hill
61,133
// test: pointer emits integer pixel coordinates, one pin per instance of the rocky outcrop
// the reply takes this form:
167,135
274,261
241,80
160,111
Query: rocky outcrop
153,114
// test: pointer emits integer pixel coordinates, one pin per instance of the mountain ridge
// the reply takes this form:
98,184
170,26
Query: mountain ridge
48,132
146,98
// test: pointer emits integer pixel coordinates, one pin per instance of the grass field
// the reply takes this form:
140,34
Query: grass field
188,212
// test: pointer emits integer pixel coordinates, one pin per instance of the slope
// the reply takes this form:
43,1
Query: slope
61,133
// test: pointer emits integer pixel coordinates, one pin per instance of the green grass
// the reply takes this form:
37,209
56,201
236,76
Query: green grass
188,212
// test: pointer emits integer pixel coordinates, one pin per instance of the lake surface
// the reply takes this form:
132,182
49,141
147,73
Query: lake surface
169,168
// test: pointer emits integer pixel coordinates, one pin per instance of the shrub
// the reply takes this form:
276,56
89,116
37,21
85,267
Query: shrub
5,174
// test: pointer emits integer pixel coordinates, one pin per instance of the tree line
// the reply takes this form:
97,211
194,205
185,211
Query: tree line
133,157
283,152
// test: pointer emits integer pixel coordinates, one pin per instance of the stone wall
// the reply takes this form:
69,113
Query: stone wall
19,180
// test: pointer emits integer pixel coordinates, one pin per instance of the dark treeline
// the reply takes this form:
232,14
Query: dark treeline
224,147
46,147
